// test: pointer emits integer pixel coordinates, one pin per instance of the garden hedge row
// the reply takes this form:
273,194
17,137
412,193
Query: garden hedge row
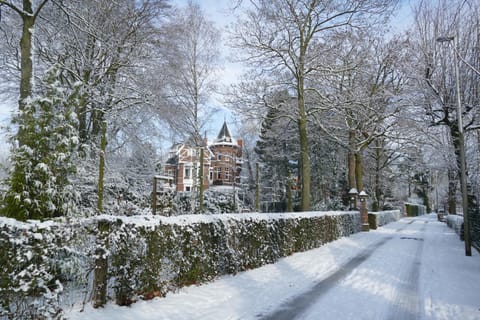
414,210
378,219
47,264
455,222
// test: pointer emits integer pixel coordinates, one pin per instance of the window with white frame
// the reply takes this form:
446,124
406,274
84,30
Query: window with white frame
188,173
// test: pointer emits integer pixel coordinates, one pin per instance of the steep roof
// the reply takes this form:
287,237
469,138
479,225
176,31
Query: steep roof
224,132
224,137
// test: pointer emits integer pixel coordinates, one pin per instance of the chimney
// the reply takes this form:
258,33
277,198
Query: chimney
205,139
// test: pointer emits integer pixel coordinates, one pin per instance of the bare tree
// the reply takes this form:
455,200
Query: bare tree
435,70
103,46
191,60
28,14
286,39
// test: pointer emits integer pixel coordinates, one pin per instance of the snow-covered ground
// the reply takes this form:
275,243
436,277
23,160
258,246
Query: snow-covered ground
414,268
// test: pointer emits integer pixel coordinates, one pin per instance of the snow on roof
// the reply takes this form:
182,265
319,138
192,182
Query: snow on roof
224,137
162,177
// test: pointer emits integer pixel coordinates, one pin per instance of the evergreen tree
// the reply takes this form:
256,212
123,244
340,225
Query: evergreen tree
39,185
278,150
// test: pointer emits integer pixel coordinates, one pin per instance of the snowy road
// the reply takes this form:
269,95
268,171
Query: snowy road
411,269
394,259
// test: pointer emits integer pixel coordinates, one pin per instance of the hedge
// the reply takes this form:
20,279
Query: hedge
378,219
413,209
47,264
455,222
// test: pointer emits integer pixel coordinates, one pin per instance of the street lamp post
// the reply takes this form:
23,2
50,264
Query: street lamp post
461,142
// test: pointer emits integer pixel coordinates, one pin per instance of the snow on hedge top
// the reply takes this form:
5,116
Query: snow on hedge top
182,220
150,220
384,212
30,224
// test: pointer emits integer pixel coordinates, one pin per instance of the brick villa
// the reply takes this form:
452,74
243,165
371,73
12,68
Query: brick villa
222,163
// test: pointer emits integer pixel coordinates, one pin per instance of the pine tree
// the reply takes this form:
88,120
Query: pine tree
277,149
39,186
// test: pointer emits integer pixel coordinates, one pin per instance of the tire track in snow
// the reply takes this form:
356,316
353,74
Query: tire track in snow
297,305
300,303
408,305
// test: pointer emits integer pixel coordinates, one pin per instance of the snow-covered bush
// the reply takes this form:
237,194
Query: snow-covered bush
151,255
51,265
455,222
214,202
413,210
332,204
127,249
378,219
39,185
217,201
35,263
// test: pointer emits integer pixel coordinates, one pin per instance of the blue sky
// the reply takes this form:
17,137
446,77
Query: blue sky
218,12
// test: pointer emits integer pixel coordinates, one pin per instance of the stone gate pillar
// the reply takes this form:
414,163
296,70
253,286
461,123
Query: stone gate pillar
363,210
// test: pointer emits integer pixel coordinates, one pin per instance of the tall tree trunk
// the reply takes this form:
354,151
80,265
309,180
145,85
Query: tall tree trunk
82,119
26,55
305,164
377,201
28,17
289,193
100,273
303,137
454,175
359,171
101,166
351,160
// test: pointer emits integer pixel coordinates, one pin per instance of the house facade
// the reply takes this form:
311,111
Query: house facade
222,163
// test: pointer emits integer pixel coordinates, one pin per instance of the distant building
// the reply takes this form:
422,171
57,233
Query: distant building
222,162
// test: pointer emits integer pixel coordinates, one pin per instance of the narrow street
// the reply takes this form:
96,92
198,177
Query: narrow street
395,259
414,268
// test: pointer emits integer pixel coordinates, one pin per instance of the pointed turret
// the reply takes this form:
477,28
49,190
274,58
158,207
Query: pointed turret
224,135
224,132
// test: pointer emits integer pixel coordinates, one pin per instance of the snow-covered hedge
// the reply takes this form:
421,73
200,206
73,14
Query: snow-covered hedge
378,219
48,265
38,260
414,209
153,255
455,222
